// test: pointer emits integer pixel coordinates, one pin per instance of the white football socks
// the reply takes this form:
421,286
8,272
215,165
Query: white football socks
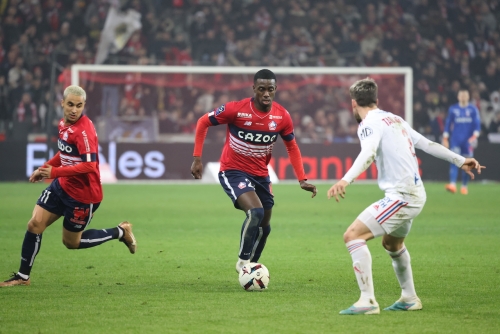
401,263
362,265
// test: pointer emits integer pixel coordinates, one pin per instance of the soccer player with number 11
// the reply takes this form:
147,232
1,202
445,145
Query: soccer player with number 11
75,193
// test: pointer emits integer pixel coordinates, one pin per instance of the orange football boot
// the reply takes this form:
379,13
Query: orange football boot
451,188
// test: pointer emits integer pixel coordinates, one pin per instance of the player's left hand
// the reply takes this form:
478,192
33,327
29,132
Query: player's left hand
338,189
473,141
45,171
471,164
309,187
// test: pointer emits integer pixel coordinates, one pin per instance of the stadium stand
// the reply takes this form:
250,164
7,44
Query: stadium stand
448,43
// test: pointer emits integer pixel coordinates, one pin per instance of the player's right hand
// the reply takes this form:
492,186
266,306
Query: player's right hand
197,168
338,189
36,176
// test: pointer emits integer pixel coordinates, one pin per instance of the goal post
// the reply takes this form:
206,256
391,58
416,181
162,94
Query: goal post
395,83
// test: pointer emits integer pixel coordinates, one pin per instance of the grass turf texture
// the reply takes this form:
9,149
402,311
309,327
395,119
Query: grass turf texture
182,277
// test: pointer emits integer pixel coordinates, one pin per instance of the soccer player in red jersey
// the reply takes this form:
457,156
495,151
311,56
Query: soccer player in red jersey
75,193
253,126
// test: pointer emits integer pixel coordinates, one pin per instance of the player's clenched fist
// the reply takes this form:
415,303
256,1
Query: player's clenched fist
197,168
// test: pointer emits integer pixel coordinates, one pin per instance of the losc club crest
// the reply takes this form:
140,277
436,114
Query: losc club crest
242,185
272,125
65,135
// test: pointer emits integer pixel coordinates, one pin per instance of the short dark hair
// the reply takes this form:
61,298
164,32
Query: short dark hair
264,74
364,92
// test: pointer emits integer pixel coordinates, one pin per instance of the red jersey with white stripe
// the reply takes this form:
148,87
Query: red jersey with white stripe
78,143
251,134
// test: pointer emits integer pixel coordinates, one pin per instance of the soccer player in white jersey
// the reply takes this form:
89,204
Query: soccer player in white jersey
391,142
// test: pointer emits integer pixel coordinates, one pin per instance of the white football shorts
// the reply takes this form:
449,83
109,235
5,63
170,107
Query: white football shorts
391,216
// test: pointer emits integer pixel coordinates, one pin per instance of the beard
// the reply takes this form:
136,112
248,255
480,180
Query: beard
357,117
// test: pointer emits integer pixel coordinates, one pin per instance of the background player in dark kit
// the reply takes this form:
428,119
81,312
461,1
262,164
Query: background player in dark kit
253,126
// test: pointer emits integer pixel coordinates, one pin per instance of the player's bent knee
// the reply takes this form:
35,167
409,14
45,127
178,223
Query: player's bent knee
349,236
35,225
257,213
351,233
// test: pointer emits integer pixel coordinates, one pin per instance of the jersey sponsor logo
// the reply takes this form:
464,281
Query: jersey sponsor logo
256,137
463,120
365,132
242,185
275,117
272,125
63,147
220,110
244,115
248,123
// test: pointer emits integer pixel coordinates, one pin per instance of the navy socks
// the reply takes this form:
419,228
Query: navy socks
31,247
249,232
260,242
92,238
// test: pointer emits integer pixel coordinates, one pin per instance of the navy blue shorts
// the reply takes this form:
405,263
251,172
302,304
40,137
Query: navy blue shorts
236,183
77,215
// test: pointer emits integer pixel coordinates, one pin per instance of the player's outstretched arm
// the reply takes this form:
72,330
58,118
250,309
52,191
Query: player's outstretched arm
197,168
469,165
308,187
338,189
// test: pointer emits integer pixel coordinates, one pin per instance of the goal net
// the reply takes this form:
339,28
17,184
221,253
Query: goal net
162,103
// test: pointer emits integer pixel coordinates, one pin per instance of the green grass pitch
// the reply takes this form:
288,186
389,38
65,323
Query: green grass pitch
182,278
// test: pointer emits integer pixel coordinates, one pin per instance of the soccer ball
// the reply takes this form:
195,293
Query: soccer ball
254,277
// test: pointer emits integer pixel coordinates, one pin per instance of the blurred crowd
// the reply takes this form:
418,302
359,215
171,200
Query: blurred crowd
450,44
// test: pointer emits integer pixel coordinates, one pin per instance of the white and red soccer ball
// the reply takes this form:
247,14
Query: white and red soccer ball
254,277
